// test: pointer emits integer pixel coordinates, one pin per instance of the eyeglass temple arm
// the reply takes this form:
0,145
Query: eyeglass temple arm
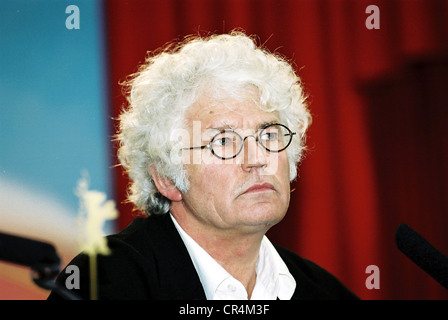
200,147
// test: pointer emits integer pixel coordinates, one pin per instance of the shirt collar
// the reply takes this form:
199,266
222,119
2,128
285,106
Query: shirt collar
273,277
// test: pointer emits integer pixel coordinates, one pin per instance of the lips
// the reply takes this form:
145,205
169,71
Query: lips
259,188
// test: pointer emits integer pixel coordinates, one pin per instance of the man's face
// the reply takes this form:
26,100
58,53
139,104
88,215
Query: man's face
249,193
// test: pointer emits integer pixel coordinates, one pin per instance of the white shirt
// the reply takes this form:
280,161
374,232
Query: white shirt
273,277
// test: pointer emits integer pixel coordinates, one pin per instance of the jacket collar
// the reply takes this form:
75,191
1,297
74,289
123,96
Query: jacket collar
178,278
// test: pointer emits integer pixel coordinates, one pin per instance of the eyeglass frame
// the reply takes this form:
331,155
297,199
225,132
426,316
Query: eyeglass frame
243,140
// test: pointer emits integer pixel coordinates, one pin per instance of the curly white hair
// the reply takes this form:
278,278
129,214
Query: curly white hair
172,80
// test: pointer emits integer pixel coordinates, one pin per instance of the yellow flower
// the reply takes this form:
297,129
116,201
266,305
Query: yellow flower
94,212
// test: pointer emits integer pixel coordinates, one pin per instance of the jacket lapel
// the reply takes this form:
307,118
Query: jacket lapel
177,276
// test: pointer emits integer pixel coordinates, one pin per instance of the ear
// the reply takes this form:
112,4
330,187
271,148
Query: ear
165,186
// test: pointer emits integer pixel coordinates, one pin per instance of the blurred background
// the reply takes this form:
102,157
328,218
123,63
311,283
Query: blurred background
378,145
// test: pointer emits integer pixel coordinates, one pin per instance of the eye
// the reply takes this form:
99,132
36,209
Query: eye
225,139
222,141
269,136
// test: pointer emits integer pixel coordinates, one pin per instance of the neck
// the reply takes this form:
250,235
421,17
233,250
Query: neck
237,252
238,256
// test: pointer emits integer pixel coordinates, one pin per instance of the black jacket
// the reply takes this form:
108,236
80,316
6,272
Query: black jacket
150,261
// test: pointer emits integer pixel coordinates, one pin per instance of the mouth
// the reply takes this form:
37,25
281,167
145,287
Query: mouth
263,187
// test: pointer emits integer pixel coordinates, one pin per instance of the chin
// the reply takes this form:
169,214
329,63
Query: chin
266,217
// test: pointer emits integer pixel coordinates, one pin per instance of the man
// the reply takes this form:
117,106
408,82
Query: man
211,140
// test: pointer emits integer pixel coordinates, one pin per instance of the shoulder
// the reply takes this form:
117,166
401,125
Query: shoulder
313,281
131,269
138,236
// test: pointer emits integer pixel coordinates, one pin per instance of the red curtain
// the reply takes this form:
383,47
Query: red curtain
378,148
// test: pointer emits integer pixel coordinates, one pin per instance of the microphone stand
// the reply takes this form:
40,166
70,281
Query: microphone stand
43,276
40,257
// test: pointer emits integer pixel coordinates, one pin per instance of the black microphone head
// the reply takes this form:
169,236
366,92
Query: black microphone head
39,256
422,253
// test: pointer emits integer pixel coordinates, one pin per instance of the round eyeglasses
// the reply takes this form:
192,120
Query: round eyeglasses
227,144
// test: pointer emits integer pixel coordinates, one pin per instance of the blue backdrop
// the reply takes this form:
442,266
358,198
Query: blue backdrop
54,119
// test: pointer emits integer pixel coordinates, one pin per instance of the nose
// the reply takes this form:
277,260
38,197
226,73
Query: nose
254,154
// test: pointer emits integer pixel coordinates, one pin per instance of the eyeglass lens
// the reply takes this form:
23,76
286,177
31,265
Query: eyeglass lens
228,144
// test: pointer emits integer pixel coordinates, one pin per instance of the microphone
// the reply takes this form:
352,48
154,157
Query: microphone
422,253
41,257
29,253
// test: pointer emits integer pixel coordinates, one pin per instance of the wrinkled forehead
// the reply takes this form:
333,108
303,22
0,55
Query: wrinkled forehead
242,111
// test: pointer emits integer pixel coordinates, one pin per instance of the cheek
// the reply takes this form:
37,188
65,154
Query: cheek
283,176
210,192
219,178
206,180
278,165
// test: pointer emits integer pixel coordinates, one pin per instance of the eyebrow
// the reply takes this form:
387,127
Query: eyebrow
266,124
222,127
227,126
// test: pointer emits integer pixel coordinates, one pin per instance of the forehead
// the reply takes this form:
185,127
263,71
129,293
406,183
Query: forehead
237,113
